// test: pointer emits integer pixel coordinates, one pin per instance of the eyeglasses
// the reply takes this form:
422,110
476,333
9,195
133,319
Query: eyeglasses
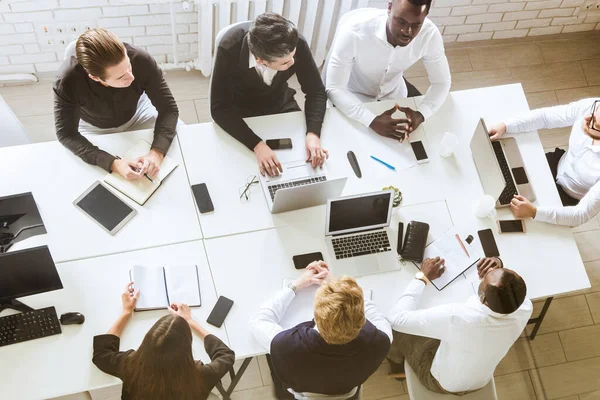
592,120
245,191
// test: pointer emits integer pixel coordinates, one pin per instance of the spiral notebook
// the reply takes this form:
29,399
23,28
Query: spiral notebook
161,286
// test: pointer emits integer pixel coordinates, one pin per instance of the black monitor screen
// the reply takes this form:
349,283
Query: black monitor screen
359,212
27,272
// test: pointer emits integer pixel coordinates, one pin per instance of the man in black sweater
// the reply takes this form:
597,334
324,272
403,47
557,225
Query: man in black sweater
252,66
108,86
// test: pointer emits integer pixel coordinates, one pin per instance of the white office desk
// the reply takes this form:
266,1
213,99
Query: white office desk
56,178
62,364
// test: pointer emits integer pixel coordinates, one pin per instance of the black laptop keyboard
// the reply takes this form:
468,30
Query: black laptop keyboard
360,245
29,325
302,182
510,189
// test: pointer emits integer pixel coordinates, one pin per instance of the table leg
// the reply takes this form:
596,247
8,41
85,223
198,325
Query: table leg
538,320
235,379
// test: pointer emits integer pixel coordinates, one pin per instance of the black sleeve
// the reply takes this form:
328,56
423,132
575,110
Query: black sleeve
107,356
222,359
222,109
158,92
312,86
66,121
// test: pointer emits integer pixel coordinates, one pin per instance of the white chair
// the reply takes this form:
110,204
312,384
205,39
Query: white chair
70,49
416,390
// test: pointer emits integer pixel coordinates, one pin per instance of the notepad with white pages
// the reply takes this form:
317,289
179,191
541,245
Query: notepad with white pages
141,189
302,307
456,260
161,286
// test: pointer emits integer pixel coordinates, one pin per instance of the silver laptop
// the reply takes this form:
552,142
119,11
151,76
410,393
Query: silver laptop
358,233
500,167
300,186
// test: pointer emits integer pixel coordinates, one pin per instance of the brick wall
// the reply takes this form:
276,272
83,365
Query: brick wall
34,34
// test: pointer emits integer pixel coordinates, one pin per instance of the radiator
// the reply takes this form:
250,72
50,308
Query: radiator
315,19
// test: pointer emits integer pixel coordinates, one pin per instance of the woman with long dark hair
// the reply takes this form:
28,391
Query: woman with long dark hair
163,367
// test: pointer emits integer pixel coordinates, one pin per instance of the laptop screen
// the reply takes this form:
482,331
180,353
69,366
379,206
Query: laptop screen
359,213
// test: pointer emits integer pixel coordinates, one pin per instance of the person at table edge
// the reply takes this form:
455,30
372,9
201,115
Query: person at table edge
252,67
371,51
109,86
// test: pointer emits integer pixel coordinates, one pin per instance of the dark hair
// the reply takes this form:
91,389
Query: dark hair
96,49
508,295
163,367
271,36
419,3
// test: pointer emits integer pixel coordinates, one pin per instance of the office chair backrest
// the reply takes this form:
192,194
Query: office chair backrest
70,50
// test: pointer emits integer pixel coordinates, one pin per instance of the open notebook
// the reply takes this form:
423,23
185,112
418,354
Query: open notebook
161,286
457,262
141,189
302,307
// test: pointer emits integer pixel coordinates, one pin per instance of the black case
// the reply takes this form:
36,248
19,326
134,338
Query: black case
415,241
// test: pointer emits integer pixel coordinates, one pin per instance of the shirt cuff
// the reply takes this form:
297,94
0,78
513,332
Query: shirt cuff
425,110
161,143
511,125
544,214
366,117
314,127
105,161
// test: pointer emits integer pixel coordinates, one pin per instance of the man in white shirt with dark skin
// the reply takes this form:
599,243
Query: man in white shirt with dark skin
576,171
370,53
455,348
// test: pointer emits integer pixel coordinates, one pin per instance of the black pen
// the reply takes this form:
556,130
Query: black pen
146,175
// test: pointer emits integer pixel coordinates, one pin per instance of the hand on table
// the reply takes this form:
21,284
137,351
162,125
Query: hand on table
127,169
315,274
389,127
182,310
487,264
522,208
415,119
314,152
129,298
267,160
433,268
150,163
497,131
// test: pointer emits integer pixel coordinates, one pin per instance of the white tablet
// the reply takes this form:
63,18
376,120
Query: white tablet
104,207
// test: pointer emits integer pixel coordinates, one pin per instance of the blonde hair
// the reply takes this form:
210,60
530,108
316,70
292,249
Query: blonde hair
340,310
96,49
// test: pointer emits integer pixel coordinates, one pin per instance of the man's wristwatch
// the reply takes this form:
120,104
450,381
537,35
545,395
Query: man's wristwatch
421,276
292,286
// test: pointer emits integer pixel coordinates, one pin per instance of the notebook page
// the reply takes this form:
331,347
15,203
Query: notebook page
183,284
141,149
151,283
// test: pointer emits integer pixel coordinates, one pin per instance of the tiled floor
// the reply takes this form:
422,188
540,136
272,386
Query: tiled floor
563,362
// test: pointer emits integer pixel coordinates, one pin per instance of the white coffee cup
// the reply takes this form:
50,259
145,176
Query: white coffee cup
486,207
448,144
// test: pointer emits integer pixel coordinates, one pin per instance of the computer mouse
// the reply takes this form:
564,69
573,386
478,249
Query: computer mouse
72,318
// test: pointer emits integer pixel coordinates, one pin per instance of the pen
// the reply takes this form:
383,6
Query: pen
146,175
462,245
384,163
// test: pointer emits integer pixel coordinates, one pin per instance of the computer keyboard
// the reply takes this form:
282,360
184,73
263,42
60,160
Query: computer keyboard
30,325
360,245
308,181
510,189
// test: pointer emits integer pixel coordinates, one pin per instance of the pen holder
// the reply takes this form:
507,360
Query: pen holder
397,195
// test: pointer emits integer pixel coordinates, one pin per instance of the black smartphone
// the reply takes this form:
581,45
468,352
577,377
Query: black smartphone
419,150
279,144
400,234
218,314
488,243
301,261
203,200
511,226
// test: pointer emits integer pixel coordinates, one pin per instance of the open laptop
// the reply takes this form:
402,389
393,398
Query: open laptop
358,233
300,186
500,167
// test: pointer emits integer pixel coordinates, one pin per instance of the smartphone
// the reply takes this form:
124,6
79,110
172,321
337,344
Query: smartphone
301,261
400,234
203,200
419,151
511,226
488,243
218,314
280,144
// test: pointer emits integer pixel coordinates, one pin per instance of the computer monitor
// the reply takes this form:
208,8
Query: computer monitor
24,273
20,219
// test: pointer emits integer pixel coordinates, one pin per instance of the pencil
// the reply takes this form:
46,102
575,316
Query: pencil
462,245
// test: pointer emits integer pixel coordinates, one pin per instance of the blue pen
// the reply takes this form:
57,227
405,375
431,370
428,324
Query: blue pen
384,163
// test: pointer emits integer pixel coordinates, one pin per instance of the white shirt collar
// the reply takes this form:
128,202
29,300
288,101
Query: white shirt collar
251,60
381,30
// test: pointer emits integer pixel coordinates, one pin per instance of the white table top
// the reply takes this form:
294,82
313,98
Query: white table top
62,364
56,178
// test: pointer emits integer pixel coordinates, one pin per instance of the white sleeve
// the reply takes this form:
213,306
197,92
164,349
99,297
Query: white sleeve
265,324
438,70
588,208
548,117
377,318
432,322
343,54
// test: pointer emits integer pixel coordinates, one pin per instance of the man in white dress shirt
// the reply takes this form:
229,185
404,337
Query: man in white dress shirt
455,348
371,51
576,172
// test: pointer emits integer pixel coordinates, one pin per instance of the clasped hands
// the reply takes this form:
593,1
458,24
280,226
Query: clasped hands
398,129
135,169
315,274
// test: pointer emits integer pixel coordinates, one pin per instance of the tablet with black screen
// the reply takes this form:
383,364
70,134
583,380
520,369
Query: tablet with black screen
104,207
